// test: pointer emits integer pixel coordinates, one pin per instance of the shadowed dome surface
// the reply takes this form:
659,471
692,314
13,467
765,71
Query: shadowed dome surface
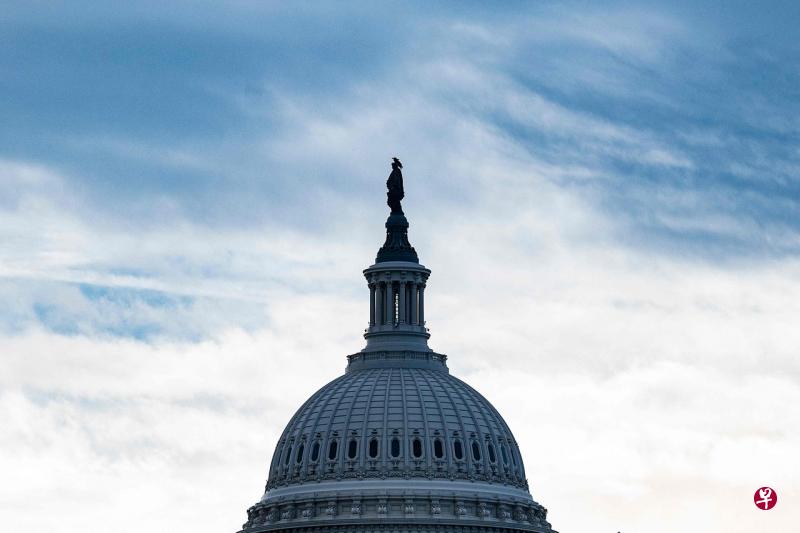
397,444
397,423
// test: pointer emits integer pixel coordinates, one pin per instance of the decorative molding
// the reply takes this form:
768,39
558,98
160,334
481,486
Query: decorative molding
397,509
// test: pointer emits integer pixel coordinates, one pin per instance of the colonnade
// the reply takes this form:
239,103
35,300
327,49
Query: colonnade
396,302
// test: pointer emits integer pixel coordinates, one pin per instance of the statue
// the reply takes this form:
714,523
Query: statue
396,247
395,186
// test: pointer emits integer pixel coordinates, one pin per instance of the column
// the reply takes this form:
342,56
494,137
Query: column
401,307
409,301
379,306
422,304
389,317
414,304
371,304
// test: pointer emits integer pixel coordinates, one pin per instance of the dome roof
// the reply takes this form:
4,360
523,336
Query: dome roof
397,422
397,443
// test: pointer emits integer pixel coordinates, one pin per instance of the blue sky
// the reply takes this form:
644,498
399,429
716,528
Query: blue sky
678,123
695,106
190,191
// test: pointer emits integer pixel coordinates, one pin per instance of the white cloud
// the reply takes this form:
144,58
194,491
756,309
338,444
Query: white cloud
108,423
648,391
646,380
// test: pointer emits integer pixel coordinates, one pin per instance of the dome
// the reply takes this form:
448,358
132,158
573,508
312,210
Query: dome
396,423
397,444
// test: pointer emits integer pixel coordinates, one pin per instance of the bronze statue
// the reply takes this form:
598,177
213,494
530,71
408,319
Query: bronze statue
395,186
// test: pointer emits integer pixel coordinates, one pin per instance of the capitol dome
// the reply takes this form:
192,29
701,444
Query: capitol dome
397,444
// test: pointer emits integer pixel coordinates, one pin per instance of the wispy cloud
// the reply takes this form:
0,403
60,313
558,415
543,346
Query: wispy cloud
608,200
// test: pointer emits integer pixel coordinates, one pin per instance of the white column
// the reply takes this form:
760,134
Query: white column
422,304
371,304
409,301
389,317
414,304
380,307
401,308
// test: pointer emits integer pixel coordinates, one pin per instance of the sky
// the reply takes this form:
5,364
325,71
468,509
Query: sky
608,196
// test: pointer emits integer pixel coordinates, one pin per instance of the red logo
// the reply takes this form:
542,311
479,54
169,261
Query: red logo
765,498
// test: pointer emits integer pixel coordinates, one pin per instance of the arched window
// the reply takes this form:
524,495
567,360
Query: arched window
288,456
492,455
315,452
438,448
458,450
504,454
352,449
416,448
299,456
395,447
333,450
373,448
476,451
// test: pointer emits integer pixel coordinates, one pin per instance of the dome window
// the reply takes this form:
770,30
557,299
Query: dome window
315,452
476,451
504,454
416,448
438,448
288,456
299,457
373,448
395,447
333,450
492,454
458,450
352,449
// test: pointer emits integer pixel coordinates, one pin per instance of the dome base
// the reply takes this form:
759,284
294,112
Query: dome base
372,512
409,527
397,359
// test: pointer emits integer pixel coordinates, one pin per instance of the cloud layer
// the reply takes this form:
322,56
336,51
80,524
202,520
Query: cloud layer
608,200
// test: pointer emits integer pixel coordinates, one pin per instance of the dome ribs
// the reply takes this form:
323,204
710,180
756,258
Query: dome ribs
386,417
492,433
462,426
348,431
364,436
427,454
301,414
517,465
404,437
405,402
445,430
465,434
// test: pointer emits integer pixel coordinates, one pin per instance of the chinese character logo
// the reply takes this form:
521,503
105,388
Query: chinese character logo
765,498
